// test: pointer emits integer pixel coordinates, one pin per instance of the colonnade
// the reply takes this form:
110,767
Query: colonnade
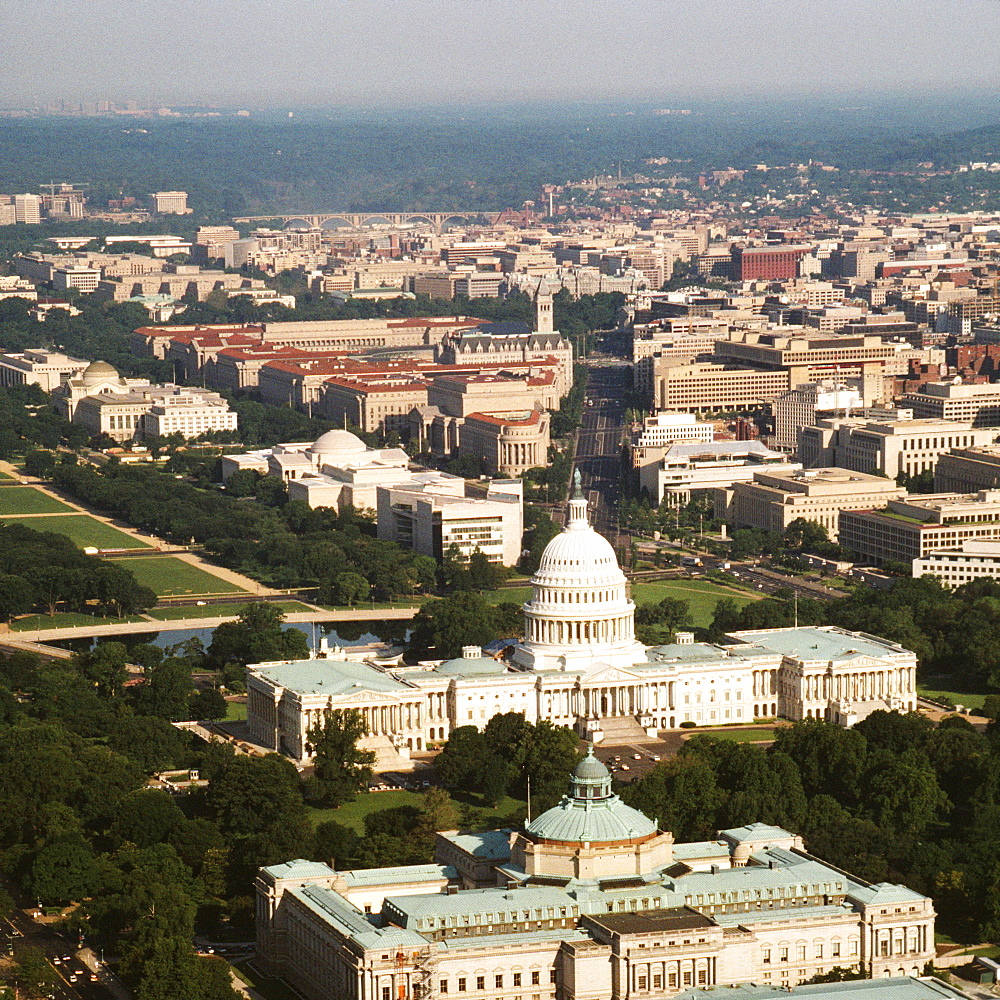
671,975
526,454
604,630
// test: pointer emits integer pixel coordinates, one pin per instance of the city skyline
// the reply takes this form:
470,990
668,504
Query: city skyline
454,51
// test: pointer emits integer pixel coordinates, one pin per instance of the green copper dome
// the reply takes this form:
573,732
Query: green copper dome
591,813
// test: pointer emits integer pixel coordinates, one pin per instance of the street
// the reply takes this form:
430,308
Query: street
74,980
598,452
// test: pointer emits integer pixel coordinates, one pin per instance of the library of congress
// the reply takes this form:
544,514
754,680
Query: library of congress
579,665
590,901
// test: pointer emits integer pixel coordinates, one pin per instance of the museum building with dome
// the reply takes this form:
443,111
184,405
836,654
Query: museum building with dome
591,900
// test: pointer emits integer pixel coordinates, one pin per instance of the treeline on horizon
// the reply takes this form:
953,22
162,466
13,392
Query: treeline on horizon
460,160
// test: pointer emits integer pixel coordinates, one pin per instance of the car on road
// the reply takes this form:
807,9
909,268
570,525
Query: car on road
637,756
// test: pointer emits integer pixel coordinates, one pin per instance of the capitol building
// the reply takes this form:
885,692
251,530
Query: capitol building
580,665
590,901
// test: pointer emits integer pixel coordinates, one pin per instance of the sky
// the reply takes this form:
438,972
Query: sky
408,52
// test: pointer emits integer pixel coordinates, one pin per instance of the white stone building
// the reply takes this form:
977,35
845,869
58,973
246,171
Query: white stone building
580,665
103,402
590,901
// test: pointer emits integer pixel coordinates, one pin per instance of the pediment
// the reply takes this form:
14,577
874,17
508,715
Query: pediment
604,673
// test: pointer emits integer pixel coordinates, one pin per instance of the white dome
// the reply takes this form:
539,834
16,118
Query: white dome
338,444
579,555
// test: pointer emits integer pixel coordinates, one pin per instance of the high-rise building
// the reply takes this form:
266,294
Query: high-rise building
28,209
170,203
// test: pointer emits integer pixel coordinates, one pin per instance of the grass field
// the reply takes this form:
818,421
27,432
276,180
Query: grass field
236,711
702,595
16,500
84,530
475,815
955,697
64,619
214,610
738,735
353,814
169,576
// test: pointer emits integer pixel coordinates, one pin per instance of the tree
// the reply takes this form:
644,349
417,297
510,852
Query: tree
145,818
340,768
482,573
17,596
804,534
255,794
437,812
64,871
458,763
256,637
446,625
657,624
153,743
40,464
208,704
336,844
104,666
350,588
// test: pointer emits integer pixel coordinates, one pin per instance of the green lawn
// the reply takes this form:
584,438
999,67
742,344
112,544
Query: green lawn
738,735
65,619
702,595
236,711
83,529
955,697
169,576
515,595
214,610
29,500
353,814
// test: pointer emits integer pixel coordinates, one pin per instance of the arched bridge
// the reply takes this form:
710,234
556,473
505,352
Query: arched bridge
320,219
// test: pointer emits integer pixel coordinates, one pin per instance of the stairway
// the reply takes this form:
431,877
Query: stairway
387,757
623,729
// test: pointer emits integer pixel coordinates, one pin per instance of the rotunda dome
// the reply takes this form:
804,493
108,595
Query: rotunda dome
591,812
338,445
99,371
591,769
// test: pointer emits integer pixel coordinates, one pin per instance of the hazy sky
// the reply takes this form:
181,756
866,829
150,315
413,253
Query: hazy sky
286,52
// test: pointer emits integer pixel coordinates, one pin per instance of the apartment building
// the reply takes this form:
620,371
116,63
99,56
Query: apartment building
893,447
771,501
82,279
909,528
975,404
28,209
779,263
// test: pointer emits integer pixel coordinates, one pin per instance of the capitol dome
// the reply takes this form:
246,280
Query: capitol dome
99,371
580,613
591,813
334,446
